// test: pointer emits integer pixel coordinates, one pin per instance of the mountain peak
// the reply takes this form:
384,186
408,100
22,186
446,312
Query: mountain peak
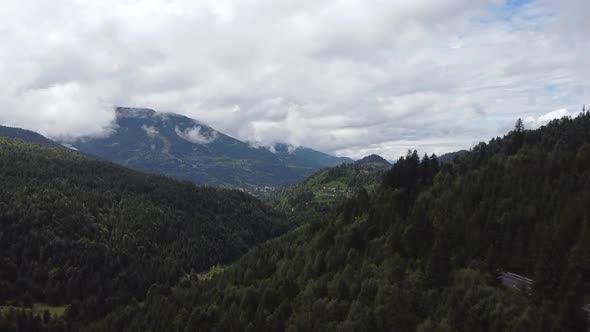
373,160
150,114
178,146
132,112
284,148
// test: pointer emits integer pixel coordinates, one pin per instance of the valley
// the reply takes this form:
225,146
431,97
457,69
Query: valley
421,238
424,246
294,166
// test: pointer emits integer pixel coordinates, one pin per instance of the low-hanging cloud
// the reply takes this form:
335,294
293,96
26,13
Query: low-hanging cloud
346,77
151,131
536,122
196,135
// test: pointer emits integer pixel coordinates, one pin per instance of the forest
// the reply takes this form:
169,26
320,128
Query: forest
324,190
422,252
80,237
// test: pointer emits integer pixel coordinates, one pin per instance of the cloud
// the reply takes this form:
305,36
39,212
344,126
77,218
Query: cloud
533,123
346,77
194,135
59,110
151,131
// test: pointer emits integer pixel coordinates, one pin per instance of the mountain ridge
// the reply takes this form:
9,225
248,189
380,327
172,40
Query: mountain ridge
26,135
181,147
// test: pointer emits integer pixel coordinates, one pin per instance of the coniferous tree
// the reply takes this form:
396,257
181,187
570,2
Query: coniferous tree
519,126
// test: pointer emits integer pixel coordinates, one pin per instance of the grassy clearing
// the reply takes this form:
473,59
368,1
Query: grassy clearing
216,269
38,308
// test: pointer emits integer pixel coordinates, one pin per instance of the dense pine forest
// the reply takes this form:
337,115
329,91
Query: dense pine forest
422,252
80,237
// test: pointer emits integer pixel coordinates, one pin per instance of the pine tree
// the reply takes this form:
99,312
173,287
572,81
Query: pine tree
519,126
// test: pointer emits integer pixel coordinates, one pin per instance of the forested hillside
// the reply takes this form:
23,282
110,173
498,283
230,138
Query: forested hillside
327,188
82,237
421,253
373,161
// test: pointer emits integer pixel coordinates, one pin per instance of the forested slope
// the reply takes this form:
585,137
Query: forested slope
421,253
93,236
325,189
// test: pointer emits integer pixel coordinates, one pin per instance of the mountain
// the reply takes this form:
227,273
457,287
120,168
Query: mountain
82,236
448,157
420,253
306,159
180,147
26,135
373,161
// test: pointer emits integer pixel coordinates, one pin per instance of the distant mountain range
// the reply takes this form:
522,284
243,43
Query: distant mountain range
177,146
305,158
184,148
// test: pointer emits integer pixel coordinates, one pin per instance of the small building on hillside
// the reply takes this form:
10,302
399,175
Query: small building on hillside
513,280
522,283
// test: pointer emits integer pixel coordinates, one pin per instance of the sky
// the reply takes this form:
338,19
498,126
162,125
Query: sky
345,77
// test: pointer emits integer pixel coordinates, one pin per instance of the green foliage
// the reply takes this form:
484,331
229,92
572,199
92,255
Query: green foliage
37,308
325,190
212,272
94,236
419,253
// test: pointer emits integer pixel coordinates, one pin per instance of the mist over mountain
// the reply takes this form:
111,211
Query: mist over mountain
184,148
294,166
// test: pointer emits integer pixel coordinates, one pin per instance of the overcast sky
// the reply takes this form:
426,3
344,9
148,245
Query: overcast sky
345,77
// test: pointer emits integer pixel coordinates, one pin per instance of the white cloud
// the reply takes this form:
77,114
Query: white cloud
194,135
533,123
69,146
151,131
60,110
348,77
